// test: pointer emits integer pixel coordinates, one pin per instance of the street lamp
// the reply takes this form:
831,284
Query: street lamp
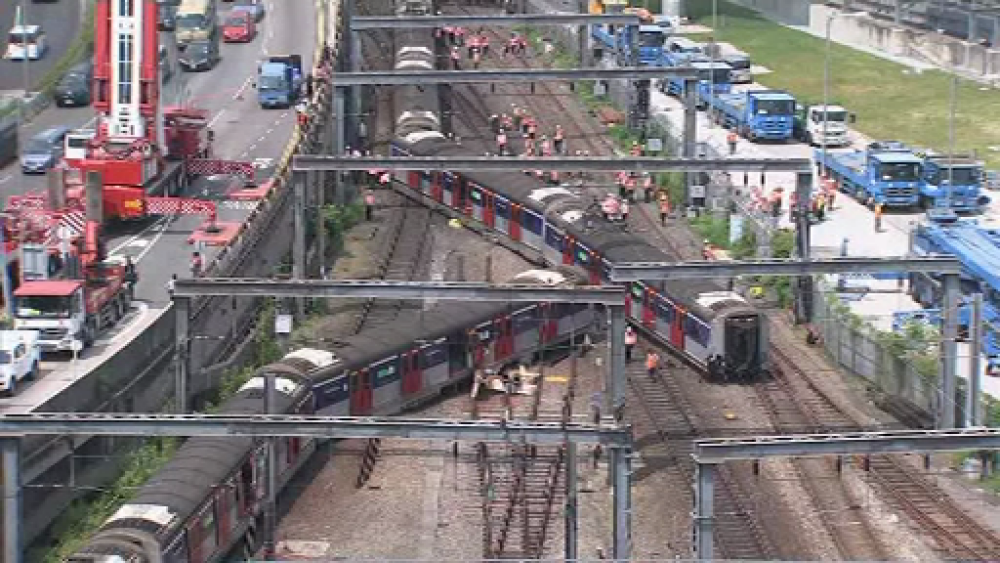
952,111
826,73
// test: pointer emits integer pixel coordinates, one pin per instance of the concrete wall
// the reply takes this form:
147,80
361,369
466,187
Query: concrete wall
791,12
932,48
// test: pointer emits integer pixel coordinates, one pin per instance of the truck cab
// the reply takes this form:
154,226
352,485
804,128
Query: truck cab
650,43
810,129
756,114
278,81
712,77
956,183
56,310
20,359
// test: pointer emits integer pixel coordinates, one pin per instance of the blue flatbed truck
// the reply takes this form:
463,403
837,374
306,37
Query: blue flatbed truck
962,174
279,81
755,114
885,172
978,249
712,77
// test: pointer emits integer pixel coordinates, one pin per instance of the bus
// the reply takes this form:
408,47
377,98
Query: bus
195,21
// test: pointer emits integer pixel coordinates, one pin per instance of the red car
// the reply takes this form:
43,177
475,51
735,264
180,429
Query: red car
239,28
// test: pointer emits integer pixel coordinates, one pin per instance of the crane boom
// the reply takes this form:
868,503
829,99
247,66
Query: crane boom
126,71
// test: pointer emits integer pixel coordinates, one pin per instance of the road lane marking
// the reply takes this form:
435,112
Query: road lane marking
6,178
216,118
152,243
136,237
243,87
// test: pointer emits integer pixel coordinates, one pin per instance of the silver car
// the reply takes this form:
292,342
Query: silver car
43,151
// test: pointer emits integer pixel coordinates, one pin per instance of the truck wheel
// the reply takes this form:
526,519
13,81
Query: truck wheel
924,202
33,374
89,333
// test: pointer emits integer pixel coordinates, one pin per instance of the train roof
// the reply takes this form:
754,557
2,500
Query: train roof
198,467
561,204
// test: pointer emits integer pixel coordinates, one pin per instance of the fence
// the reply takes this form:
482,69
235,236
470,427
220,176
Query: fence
856,347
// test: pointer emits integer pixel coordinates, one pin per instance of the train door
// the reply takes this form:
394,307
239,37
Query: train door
677,328
569,243
462,200
414,181
649,309
504,344
225,501
489,203
361,393
515,221
411,373
548,322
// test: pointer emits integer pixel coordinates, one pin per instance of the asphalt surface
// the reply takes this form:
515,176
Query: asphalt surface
160,248
60,20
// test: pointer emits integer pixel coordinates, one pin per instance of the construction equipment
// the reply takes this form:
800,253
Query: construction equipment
885,172
755,114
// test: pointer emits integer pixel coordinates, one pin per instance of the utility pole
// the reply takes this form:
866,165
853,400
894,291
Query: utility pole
952,112
973,399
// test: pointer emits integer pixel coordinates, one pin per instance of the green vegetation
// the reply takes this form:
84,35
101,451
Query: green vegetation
86,515
890,100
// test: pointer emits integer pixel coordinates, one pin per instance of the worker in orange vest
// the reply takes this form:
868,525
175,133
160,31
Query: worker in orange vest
197,264
455,56
732,138
878,216
636,149
502,142
664,209
652,363
369,205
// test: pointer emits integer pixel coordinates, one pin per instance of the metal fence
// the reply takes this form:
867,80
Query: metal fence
856,347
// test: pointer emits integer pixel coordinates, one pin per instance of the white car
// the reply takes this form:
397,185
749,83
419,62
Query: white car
20,358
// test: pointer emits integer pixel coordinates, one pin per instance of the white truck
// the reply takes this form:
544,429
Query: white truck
809,126
20,358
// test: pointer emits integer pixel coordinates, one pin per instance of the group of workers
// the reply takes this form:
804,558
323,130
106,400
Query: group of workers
477,45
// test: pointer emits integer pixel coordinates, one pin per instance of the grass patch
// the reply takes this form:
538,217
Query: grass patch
891,101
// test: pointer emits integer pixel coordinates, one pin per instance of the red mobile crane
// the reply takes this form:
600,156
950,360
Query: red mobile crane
137,158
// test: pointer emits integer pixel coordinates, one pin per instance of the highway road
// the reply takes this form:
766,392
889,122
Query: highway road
160,248
61,23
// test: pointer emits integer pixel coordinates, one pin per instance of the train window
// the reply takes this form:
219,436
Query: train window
433,355
502,208
177,552
425,181
532,222
696,330
582,256
525,321
246,490
385,372
206,531
448,181
457,346
554,239
476,194
665,310
333,392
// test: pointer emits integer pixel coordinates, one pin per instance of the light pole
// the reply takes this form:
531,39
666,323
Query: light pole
712,45
826,76
952,111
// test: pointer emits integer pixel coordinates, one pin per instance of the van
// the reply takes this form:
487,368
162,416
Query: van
26,42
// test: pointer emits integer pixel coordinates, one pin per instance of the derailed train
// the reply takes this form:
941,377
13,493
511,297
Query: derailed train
206,502
698,319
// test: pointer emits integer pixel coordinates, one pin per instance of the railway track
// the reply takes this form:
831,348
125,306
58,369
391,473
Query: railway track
664,434
522,485
955,534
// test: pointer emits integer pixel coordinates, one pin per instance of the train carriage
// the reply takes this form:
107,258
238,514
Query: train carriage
553,223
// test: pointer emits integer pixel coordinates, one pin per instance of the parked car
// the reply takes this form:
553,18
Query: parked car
43,151
239,27
253,7
74,88
20,358
199,55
